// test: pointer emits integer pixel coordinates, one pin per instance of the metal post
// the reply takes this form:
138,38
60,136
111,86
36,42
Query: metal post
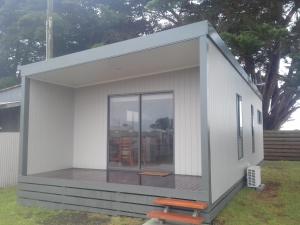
23,155
204,125
49,30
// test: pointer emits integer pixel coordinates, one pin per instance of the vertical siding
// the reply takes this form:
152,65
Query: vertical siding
224,83
90,118
9,151
50,128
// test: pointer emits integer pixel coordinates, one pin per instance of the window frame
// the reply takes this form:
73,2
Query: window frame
252,129
259,117
239,120
139,94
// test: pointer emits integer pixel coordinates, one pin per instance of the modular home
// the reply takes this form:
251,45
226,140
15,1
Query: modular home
110,129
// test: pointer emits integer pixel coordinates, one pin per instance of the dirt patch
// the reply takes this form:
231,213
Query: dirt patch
219,221
270,192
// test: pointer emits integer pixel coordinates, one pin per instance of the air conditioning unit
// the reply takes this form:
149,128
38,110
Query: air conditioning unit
254,176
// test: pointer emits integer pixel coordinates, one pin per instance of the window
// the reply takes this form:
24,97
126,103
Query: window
259,117
141,132
252,129
239,114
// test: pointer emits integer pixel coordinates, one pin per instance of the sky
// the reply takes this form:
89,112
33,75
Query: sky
293,123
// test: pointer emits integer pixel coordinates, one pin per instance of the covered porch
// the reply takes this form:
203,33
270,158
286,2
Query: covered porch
178,182
112,192
94,122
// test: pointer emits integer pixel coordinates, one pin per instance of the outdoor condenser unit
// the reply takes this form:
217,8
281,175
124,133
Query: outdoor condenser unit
254,176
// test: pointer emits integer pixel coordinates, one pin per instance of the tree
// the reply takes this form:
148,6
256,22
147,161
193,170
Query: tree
78,25
263,34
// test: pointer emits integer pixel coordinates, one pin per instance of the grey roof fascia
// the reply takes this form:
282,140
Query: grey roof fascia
217,40
10,88
6,105
151,41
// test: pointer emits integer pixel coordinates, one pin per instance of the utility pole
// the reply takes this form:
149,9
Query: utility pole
49,30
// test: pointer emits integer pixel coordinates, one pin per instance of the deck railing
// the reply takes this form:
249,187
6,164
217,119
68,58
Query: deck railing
282,145
9,151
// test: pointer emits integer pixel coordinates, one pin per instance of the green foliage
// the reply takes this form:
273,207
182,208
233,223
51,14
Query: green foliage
247,41
252,41
78,25
261,33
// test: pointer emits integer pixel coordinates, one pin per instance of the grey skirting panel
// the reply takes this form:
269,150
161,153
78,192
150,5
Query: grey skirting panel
63,194
59,206
58,196
221,203
113,187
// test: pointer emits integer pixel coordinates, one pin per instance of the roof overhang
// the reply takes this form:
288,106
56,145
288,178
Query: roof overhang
159,52
164,51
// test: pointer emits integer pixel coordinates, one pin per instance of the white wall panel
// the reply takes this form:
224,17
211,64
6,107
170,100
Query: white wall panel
50,130
224,83
9,152
90,118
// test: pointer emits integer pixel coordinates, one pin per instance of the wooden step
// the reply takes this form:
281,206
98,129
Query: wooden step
154,173
180,203
174,217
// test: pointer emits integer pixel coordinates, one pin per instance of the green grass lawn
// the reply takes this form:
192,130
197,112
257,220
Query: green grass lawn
13,214
278,204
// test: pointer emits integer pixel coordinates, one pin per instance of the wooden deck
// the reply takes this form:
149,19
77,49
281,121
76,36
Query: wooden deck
114,192
180,182
110,192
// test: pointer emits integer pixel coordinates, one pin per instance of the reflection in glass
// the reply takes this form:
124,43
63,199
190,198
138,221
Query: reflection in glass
124,131
157,132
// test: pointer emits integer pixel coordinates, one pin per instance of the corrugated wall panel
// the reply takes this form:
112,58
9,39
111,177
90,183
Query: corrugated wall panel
90,120
224,83
9,151
50,129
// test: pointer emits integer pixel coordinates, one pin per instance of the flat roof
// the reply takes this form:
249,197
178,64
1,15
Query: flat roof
138,44
169,41
10,95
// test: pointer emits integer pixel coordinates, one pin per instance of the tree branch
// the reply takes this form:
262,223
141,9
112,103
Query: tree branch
291,13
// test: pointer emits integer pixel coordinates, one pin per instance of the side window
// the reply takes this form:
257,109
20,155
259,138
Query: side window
259,117
239,115
252,129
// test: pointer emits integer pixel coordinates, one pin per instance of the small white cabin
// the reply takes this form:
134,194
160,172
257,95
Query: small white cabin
98,124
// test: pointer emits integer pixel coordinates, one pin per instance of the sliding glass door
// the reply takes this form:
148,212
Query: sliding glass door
157,132
124,131
141,132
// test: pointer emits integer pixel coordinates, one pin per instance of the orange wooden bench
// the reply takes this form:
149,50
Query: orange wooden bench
166,215
174,217
180,203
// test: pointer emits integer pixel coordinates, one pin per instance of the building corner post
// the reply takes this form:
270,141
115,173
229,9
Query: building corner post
204,122
23,153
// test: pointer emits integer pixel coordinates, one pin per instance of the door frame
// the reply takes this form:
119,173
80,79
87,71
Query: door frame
137,168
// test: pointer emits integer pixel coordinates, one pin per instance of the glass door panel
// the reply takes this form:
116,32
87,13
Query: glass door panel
157,132
124,126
